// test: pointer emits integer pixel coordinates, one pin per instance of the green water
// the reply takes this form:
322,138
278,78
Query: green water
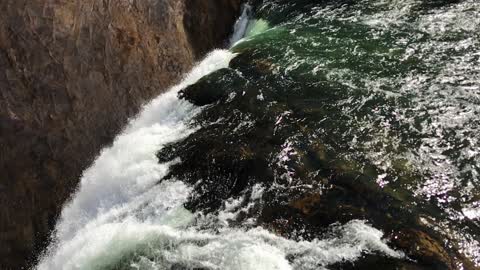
372,105
338,134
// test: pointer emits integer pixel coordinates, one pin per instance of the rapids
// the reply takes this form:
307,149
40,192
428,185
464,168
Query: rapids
331,135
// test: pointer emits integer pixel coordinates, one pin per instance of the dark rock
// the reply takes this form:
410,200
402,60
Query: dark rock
214,17
200,95
310,183
423,248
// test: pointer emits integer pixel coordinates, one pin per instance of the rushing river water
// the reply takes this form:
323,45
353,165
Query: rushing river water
334,135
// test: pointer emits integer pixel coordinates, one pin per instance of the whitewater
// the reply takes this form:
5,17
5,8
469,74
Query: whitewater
123,216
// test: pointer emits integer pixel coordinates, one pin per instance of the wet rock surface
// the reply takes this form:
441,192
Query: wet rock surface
339,113
260,127
71,74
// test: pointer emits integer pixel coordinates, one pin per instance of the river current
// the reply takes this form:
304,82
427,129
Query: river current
331,135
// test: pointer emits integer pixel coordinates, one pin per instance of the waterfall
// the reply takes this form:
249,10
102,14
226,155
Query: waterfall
241,25
119,209
122,218
124,176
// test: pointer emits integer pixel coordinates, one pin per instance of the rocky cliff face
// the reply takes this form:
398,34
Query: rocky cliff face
71,74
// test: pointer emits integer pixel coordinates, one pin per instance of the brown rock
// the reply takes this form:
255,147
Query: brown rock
423,248
71,74
211,15
307,203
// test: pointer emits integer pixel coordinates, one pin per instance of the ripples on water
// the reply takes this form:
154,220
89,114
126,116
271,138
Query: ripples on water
410,73
340,109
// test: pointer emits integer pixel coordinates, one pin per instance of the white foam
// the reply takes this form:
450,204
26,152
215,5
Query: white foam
120,216
152,246
241,25
472,213
106,239
129,168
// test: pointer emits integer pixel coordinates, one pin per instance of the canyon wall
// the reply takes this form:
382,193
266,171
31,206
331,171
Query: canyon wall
71,75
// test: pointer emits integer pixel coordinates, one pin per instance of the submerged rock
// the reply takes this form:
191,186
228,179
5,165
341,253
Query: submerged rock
71,74
261,127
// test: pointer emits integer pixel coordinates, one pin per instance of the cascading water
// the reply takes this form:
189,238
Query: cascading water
119,191
333,135
241,25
